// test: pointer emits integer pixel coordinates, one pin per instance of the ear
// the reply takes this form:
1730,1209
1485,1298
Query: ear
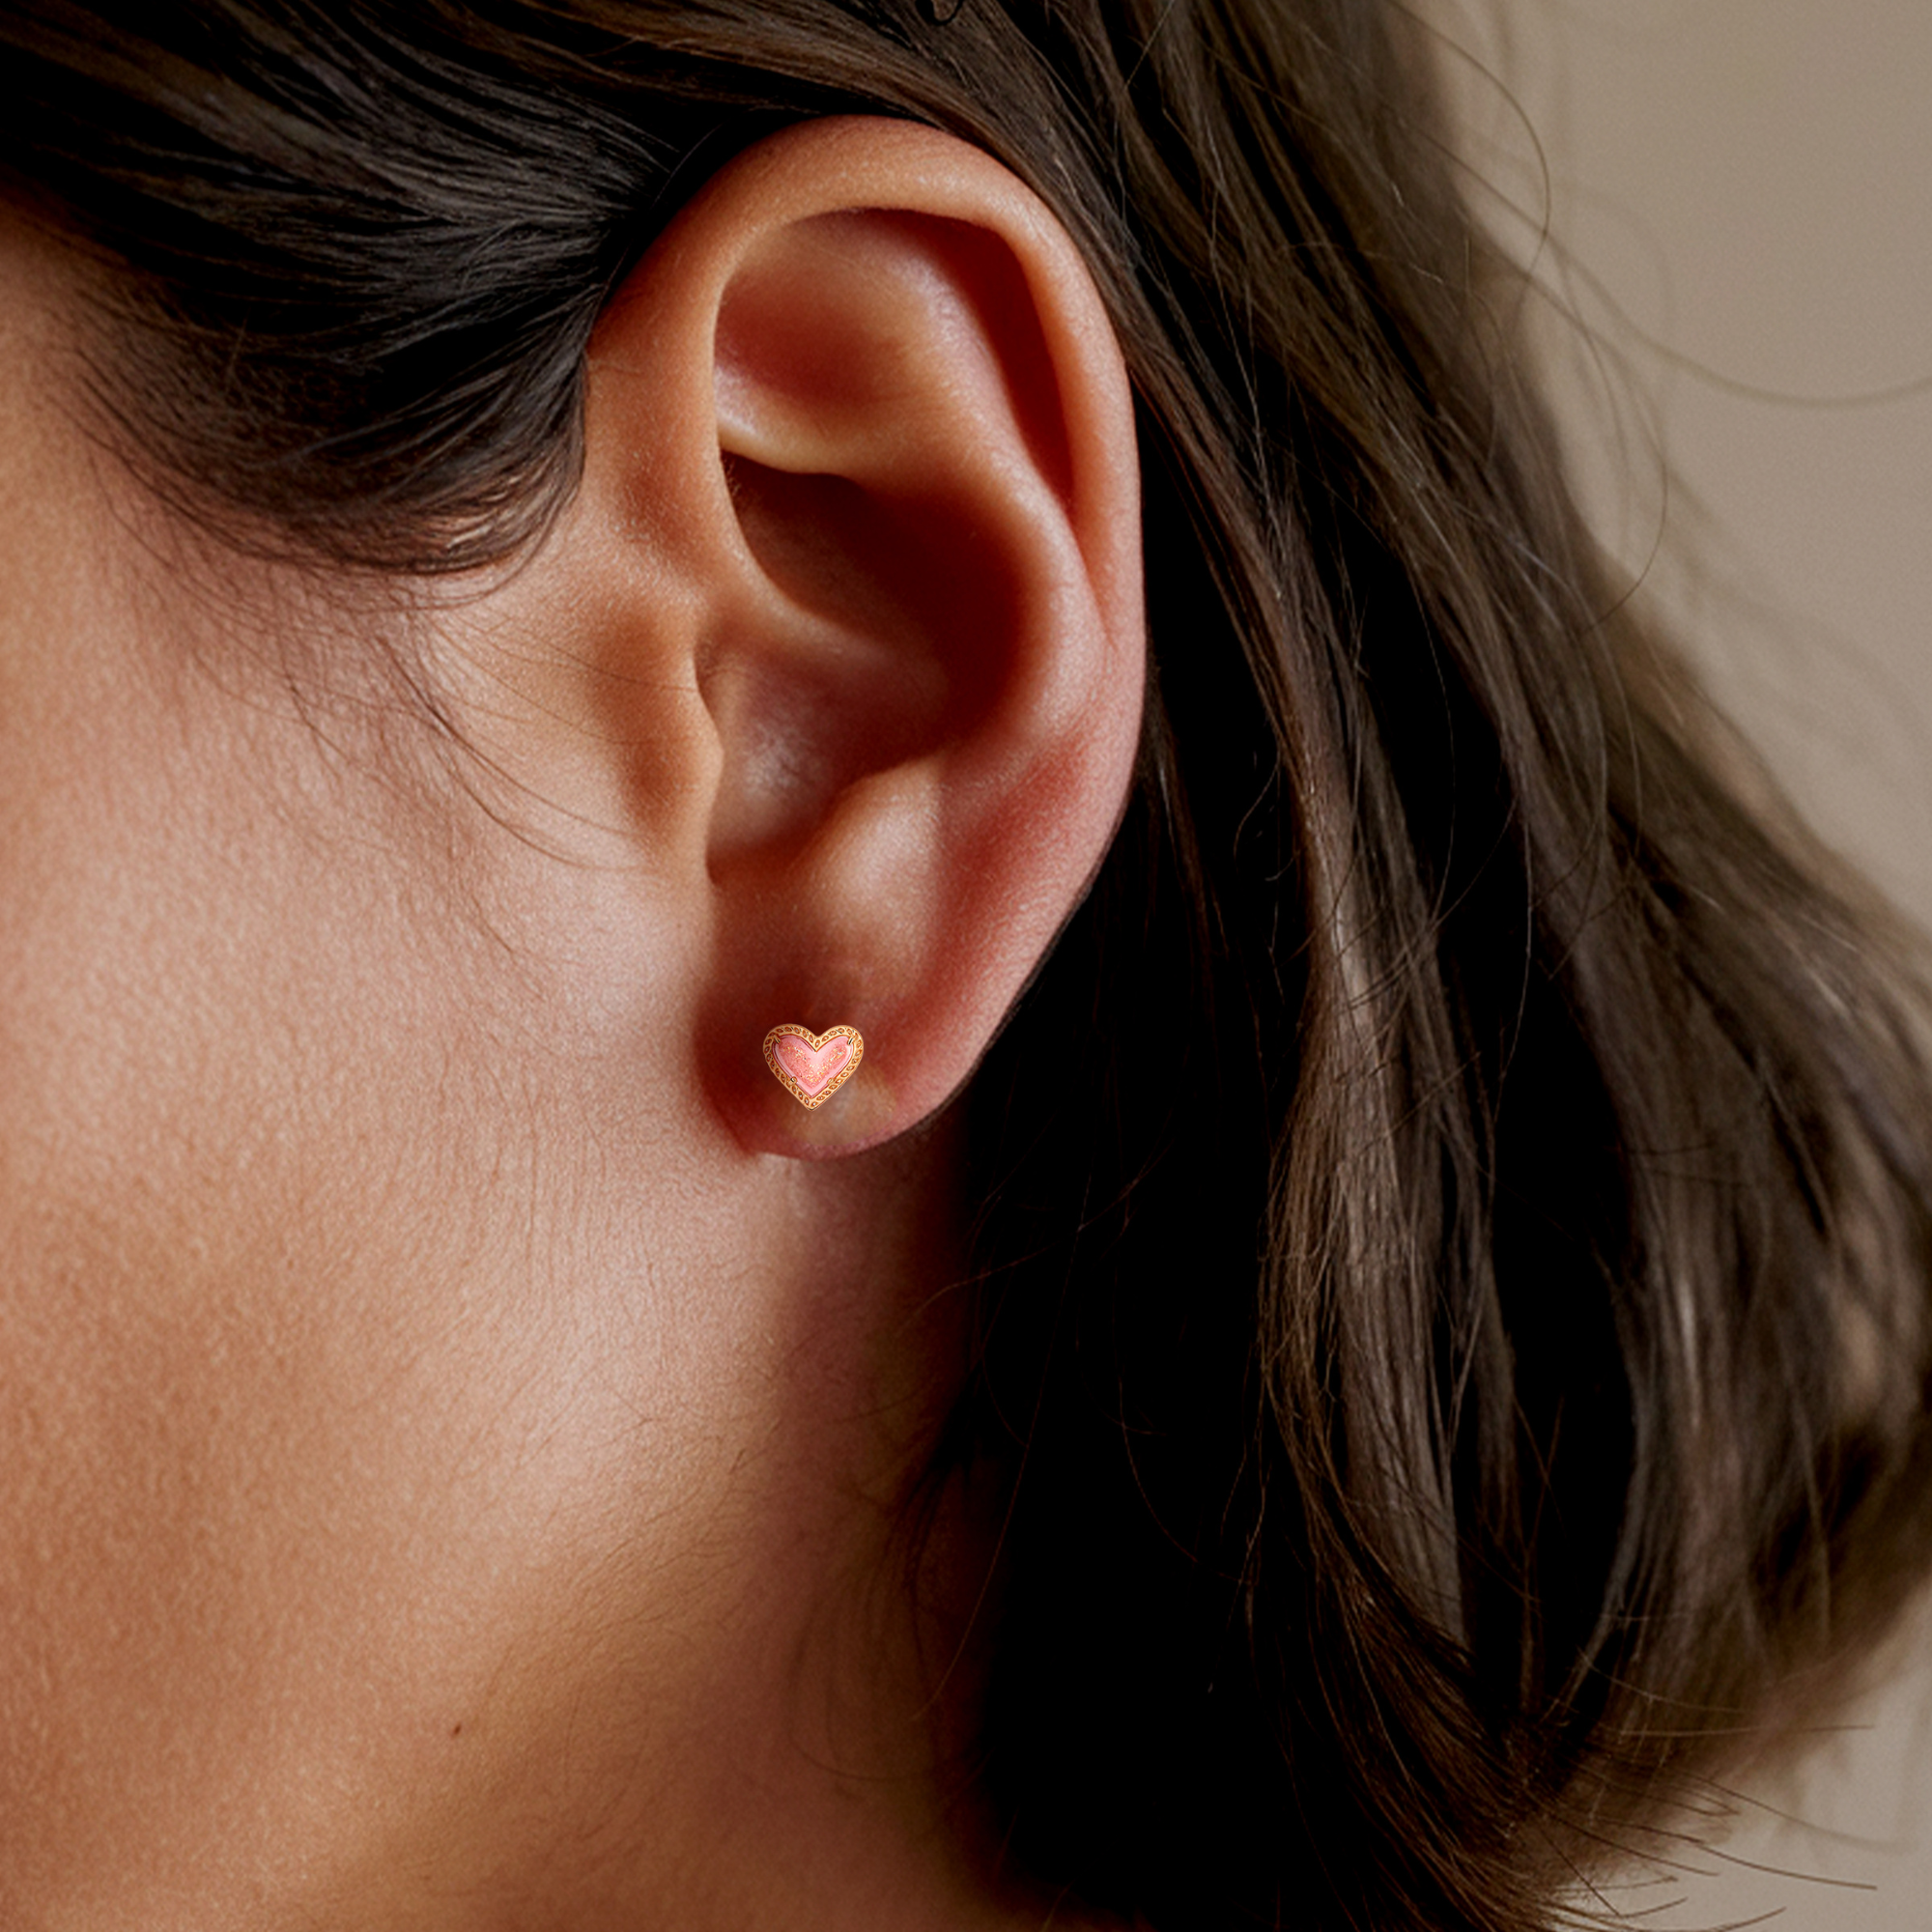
860,443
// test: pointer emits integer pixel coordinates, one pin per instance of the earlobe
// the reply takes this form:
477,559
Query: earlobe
898,501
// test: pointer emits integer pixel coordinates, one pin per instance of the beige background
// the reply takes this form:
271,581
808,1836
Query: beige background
1737,196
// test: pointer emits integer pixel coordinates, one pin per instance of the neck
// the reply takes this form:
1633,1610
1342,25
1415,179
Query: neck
769,1710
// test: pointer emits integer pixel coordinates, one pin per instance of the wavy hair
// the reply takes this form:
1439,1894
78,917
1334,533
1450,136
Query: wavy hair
1454,1213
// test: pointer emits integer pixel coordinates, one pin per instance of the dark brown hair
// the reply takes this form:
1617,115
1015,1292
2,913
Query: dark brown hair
1458,1382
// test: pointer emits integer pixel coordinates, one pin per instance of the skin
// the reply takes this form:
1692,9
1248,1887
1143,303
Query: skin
455,1408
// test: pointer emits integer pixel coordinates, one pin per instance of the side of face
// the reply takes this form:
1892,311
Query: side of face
445,1380
337,1427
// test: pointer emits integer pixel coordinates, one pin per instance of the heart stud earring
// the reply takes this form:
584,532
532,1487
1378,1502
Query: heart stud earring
811,1066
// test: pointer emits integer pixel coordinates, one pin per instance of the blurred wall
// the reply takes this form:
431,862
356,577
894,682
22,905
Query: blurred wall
1734,199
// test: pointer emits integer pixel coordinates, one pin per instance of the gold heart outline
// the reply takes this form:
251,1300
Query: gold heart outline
817,1041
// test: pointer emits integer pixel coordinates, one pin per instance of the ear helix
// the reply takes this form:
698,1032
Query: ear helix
811,1066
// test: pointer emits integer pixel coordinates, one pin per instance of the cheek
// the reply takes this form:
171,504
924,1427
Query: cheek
289,1447
323,1426
162,1333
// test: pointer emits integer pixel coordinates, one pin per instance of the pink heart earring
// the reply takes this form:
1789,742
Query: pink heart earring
812,1066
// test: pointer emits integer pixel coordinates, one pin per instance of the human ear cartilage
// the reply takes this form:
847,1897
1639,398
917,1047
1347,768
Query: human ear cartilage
811,1066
